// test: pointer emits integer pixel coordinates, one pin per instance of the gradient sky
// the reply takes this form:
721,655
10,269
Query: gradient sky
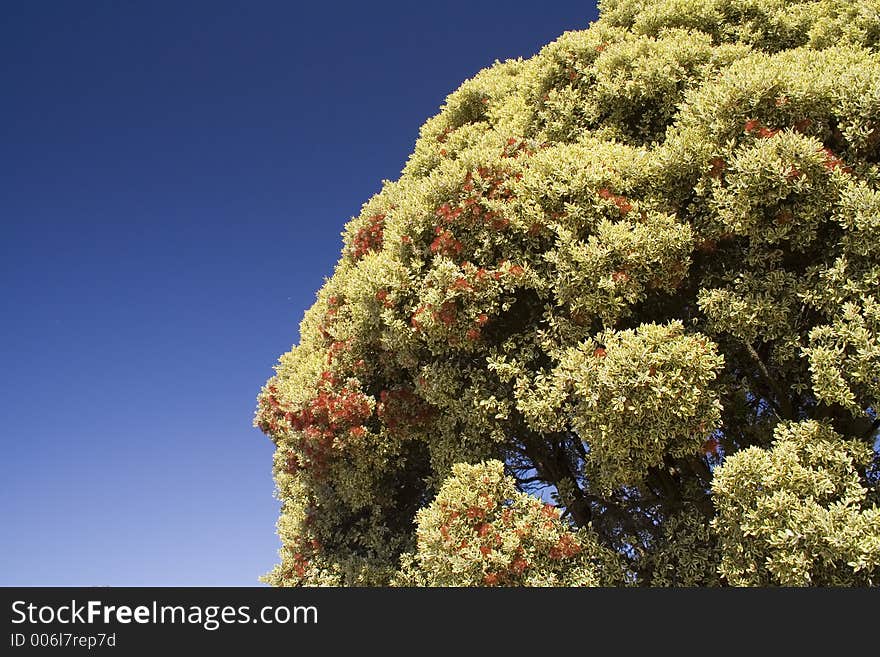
174,177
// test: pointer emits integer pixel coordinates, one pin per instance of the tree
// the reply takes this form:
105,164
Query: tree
636,274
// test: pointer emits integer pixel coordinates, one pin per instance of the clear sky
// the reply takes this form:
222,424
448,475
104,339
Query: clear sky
174,177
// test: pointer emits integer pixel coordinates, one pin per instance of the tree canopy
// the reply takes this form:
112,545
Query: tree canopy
636,275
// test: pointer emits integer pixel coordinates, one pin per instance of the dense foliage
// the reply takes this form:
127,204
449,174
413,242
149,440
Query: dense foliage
639,272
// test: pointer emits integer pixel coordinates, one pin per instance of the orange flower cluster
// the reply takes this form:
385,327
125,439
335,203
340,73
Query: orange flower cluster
620,201
482,524
303,549
832,161
402,409
334,303
370,237
445,243
718,167
336,412
755,127
469,210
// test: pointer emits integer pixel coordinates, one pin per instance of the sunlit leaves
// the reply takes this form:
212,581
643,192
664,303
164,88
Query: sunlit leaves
614,268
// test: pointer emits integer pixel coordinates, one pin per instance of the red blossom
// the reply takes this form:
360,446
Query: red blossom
500,223
322,424
402,408
382,295
718,167
620,201
335,349
710,446
370,237
832,161
447,313
475,512
566,547
784,217
445,243
447,213
803,124
414,321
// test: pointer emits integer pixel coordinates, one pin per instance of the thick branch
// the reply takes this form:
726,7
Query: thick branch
784,408
552,463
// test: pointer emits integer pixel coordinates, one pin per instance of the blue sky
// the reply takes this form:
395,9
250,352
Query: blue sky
173,182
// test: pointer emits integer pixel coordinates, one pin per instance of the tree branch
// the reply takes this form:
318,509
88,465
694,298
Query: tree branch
528,480
784,407
550,458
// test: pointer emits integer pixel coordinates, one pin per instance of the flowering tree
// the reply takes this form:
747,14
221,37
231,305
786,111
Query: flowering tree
637,274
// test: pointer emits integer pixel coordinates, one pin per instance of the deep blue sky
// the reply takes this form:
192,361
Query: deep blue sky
174,177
